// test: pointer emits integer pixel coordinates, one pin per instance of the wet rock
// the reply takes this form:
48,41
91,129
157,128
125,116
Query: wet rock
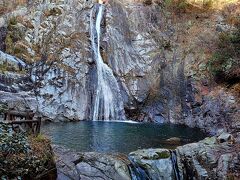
225,137
223,165
207,160
156,163
174,141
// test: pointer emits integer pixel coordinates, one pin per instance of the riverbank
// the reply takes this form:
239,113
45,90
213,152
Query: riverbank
216,157
211,158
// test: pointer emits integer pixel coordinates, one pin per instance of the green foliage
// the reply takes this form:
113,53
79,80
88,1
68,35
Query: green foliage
9,43
3,67
147,2
163,155
20,157
168,3
11,142
55,11
40,138
224,64
15,33
182,5
12,21
7,67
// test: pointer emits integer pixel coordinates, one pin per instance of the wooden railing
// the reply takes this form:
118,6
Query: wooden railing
23,120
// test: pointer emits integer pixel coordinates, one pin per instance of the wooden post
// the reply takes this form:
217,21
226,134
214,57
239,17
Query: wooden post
38,125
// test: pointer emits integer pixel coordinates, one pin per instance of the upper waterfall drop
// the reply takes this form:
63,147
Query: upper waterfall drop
108,103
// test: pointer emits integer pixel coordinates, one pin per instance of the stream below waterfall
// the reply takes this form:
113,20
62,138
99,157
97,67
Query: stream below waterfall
101,136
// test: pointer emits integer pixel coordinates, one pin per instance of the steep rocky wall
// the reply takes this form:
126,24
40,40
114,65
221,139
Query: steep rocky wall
161,55
158,56
54,42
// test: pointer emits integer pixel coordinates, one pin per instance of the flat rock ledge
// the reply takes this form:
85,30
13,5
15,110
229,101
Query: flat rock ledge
212,158
91,165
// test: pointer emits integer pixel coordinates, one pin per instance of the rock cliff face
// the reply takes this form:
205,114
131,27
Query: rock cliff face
159,59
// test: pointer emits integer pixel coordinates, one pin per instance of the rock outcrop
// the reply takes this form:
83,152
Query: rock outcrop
19,101
209,159
73,165
152,164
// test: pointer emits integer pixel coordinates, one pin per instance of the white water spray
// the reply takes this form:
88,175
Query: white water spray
108,101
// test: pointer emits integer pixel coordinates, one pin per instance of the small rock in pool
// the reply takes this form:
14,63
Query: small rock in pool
173,140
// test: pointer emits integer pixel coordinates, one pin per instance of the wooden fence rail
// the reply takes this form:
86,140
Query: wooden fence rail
23,119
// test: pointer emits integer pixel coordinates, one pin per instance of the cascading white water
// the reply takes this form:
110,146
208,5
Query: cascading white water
108,101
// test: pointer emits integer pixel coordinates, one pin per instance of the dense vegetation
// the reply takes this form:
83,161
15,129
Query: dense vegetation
225,62
22,156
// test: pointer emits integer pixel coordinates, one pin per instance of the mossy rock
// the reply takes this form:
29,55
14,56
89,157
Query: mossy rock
163,155
210,140
151,154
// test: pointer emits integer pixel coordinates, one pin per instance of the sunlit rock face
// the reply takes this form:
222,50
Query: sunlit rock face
132,50
64,90
141,49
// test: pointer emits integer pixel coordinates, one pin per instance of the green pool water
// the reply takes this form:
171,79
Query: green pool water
98,136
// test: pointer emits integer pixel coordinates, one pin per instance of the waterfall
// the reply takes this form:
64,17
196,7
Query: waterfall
175,165
108,103
137,172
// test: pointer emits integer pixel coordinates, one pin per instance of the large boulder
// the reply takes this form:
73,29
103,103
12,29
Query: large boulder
208,159
156,163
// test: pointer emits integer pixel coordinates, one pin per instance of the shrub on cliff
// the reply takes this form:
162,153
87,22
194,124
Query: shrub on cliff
187,6
147,2
3,106
177,5
225,62
14,34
